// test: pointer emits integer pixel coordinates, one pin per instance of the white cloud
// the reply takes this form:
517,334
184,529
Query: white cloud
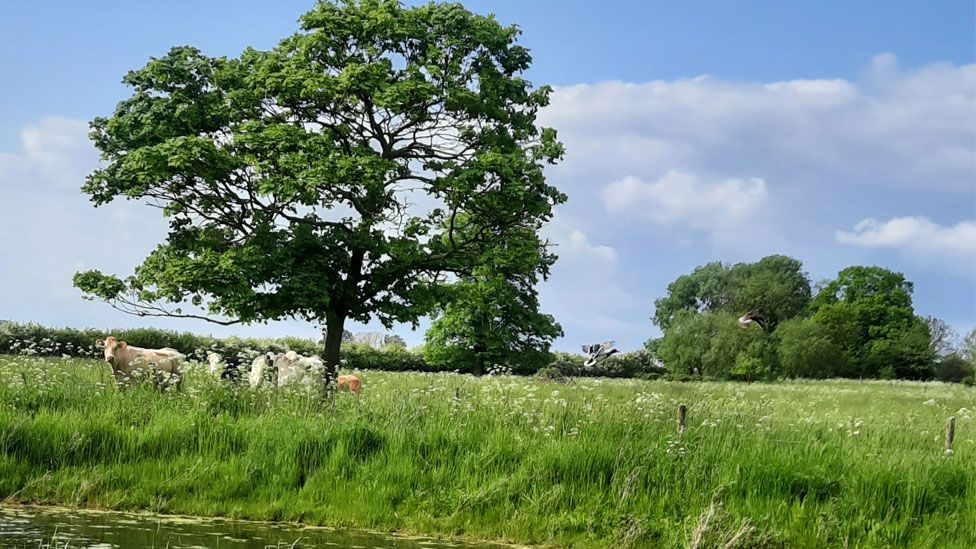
578,242
917,237
584,291
728,211
682,199
58,148
907,128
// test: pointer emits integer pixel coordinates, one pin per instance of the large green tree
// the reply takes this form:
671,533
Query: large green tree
868,312
711,344
805,349
340,175
492,316
775,285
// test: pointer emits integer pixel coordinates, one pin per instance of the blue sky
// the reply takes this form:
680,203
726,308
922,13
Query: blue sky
847,129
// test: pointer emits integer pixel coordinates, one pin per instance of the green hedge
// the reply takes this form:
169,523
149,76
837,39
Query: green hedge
31,338
639,364
35,339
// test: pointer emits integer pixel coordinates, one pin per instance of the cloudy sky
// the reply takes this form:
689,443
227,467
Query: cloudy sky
839,133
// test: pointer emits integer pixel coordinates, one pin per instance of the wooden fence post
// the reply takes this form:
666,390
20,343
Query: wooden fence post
950,434
682,413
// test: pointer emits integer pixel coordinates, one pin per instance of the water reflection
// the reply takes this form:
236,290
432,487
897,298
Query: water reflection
42,527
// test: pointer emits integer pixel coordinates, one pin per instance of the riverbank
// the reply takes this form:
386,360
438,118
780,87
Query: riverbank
589,462
66,528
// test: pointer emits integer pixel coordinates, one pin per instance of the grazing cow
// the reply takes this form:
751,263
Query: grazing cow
598,351
349,383
228,369
129,363
752,317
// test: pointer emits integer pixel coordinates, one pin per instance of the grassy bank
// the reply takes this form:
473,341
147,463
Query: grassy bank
589,462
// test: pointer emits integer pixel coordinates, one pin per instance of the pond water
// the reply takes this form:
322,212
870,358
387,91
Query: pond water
43,527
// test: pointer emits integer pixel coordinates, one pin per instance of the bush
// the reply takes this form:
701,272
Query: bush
954,369
640,363
551,373
390,358
749,368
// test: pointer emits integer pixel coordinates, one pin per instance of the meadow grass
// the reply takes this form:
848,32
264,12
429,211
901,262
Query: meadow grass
588,462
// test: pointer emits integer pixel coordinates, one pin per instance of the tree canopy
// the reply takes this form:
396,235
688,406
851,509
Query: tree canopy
340,175
775,285
868,311
860,324
492,316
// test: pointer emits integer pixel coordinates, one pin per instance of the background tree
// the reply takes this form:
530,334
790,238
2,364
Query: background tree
338,176
967,349
776,285
711,344
868,312
960,365
492,316
705,289
943,339
805,349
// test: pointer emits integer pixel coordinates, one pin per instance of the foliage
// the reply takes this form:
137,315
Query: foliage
551,373
868,312
806,350
775,285
391,358
968,346
492,317
586,463
954,368
377,340
710,345
637,364
292,178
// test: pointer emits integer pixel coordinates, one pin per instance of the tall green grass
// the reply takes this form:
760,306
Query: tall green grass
589,462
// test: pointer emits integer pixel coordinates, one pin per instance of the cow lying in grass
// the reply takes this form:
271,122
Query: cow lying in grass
349,383
131,364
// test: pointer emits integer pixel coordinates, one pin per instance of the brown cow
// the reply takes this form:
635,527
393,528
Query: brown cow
349,383
130,363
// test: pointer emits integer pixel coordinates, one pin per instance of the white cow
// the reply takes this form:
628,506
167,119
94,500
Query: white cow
262,371
130,364
280,369
292,367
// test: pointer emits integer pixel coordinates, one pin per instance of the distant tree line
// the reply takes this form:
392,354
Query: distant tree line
862,324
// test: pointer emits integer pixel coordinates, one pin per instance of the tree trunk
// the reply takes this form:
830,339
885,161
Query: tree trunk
478,368
333,344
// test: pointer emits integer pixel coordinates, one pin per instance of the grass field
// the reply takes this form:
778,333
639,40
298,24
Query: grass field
588,462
